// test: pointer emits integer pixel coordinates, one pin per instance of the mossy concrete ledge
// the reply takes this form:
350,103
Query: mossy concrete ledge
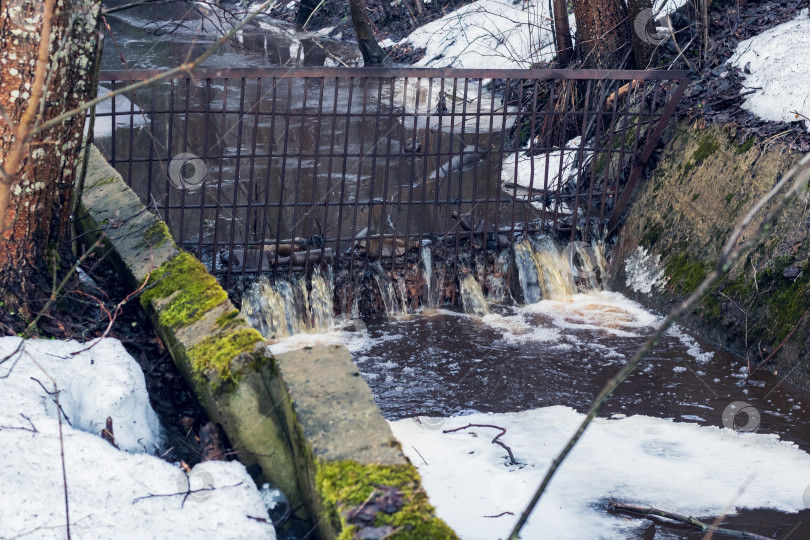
217,352
306,418
345,452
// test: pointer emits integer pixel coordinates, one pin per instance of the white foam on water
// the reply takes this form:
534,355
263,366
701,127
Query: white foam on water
680,467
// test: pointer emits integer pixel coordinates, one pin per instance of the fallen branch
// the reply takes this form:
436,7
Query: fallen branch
495,440
689,520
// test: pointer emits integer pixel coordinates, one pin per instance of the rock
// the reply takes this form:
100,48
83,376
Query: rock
791,272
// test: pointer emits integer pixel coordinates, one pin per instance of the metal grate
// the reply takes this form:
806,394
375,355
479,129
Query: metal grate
275,170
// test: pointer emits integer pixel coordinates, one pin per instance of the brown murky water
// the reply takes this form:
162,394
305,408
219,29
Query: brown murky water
449,363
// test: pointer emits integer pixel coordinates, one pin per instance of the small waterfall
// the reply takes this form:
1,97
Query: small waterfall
286,308
544,273
403,293
438,286
587,263
427,268
320,302
472,296
527,271
389,298
497,287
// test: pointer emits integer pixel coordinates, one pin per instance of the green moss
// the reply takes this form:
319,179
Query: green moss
729,197
707,146
103,222
157,233
191,290
102,182
214,354
685,275
695,197
344,485
746,146
788,303
226,320
651,236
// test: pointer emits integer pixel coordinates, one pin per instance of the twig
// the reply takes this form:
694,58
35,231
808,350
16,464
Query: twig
732,251
186,494
495,440
689,520
420,454
501,514
54,395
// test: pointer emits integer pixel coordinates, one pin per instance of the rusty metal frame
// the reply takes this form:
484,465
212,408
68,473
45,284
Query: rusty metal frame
497,211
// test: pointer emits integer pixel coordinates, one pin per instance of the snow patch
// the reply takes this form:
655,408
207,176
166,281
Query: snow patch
681,467
109,489
488,34
779,64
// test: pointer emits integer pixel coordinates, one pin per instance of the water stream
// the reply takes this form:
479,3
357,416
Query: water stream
558,347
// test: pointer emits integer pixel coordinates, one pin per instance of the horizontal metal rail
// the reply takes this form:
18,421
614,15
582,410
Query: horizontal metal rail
276,170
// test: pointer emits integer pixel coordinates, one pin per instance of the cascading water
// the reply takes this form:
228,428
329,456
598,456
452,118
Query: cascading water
472,297
587,263
285,308
497,287
403,293
320,302
389,298
427,268
544,272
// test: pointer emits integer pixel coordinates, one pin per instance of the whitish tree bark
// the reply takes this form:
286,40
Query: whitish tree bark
603,32
47,54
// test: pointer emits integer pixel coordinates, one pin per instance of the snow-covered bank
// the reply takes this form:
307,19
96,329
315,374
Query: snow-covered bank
679,467
112,493
777,64
487,34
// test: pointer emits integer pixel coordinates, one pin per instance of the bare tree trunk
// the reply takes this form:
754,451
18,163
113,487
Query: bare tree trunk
562,31
602,31
48,50
642,24
373,55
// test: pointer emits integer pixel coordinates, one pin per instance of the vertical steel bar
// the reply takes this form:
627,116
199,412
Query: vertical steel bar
580,154
236,180
268,181
251,196
342,201
203,190
221,144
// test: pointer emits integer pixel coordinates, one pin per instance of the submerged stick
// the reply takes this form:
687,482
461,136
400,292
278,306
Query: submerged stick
689,520
732,251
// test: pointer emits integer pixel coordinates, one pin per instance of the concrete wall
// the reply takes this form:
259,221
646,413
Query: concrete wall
681,218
